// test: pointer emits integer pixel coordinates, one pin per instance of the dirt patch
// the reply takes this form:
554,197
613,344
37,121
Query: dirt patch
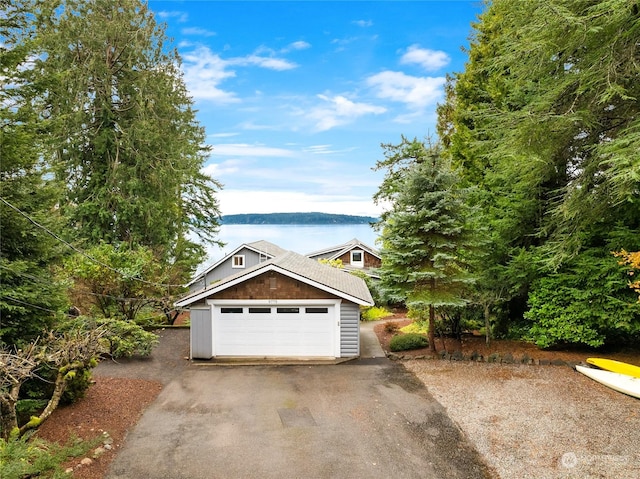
471,345
112,406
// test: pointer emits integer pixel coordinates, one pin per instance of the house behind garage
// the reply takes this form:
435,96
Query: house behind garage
243,257
287,306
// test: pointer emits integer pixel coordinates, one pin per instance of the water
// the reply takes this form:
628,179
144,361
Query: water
302,239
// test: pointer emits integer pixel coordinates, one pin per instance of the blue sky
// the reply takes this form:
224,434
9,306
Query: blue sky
297,96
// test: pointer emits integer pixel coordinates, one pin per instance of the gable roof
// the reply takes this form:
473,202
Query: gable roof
270,250
299,267
339,250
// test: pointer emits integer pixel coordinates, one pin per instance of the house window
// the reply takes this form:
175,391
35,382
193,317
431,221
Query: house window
357,259
237,261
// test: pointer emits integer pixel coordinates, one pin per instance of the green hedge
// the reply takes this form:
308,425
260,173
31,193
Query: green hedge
404,342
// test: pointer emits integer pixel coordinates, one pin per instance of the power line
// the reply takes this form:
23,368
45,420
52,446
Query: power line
34,305
89,257
24,303
102,295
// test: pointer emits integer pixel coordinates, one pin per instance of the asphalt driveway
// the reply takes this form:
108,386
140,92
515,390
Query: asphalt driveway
368,418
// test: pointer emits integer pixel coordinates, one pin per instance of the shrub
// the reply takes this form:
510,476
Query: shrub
417,327
390,327
375,313
125,339
588,303
404,342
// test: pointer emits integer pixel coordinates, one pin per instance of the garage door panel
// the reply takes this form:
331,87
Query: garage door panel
284,333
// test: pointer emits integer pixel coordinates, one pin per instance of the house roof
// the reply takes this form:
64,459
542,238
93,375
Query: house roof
339,250
299,267
261,247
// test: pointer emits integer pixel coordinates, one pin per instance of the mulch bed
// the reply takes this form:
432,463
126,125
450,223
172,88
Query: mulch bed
476,346
112,406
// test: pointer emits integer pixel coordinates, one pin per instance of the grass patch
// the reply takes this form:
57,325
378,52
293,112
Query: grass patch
34,457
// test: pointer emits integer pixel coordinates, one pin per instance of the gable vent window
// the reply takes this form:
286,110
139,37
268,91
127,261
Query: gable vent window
237,261
357,259
272,283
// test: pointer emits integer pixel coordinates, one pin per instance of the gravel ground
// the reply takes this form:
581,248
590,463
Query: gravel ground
538,421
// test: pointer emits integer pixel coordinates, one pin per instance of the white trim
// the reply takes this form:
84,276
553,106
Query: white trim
241,257
352,262
256,272
272,302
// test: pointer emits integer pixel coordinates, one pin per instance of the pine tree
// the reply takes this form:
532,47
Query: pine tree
30,296
123,135
426,238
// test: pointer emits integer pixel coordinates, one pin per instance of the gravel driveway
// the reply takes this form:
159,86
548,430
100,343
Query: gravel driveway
538,421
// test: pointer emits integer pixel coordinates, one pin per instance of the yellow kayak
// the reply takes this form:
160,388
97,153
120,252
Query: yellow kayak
616,366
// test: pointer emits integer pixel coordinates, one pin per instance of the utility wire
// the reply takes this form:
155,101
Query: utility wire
10,298
44,281
89,257
68,315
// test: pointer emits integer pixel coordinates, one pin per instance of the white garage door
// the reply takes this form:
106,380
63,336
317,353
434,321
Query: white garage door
269,330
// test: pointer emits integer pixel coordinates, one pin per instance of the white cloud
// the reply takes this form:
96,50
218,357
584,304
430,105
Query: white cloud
243,201
222,135
326,149
216,170
203,72
339,110
415,92
270,63
299,45
201,32
181,17
363,23
251,151
430,60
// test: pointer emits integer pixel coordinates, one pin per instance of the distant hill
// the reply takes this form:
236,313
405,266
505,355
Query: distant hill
296,219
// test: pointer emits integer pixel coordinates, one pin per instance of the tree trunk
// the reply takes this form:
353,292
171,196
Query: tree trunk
8,417
61,385
487,323
432,328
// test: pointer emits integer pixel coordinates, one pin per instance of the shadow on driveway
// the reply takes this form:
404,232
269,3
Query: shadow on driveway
360,419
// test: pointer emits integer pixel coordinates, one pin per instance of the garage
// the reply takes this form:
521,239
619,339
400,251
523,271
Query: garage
290,306
275,330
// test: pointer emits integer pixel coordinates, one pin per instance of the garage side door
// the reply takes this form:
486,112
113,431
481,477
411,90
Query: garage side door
277,331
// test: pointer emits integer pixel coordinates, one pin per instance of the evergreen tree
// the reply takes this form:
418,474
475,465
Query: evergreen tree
544,120
30,296
123,136
425,234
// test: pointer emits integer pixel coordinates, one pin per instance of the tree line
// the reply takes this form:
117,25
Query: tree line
102,197
524,215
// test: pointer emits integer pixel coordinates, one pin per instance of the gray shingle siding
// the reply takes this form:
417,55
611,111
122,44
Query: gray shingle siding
201,333
349,330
